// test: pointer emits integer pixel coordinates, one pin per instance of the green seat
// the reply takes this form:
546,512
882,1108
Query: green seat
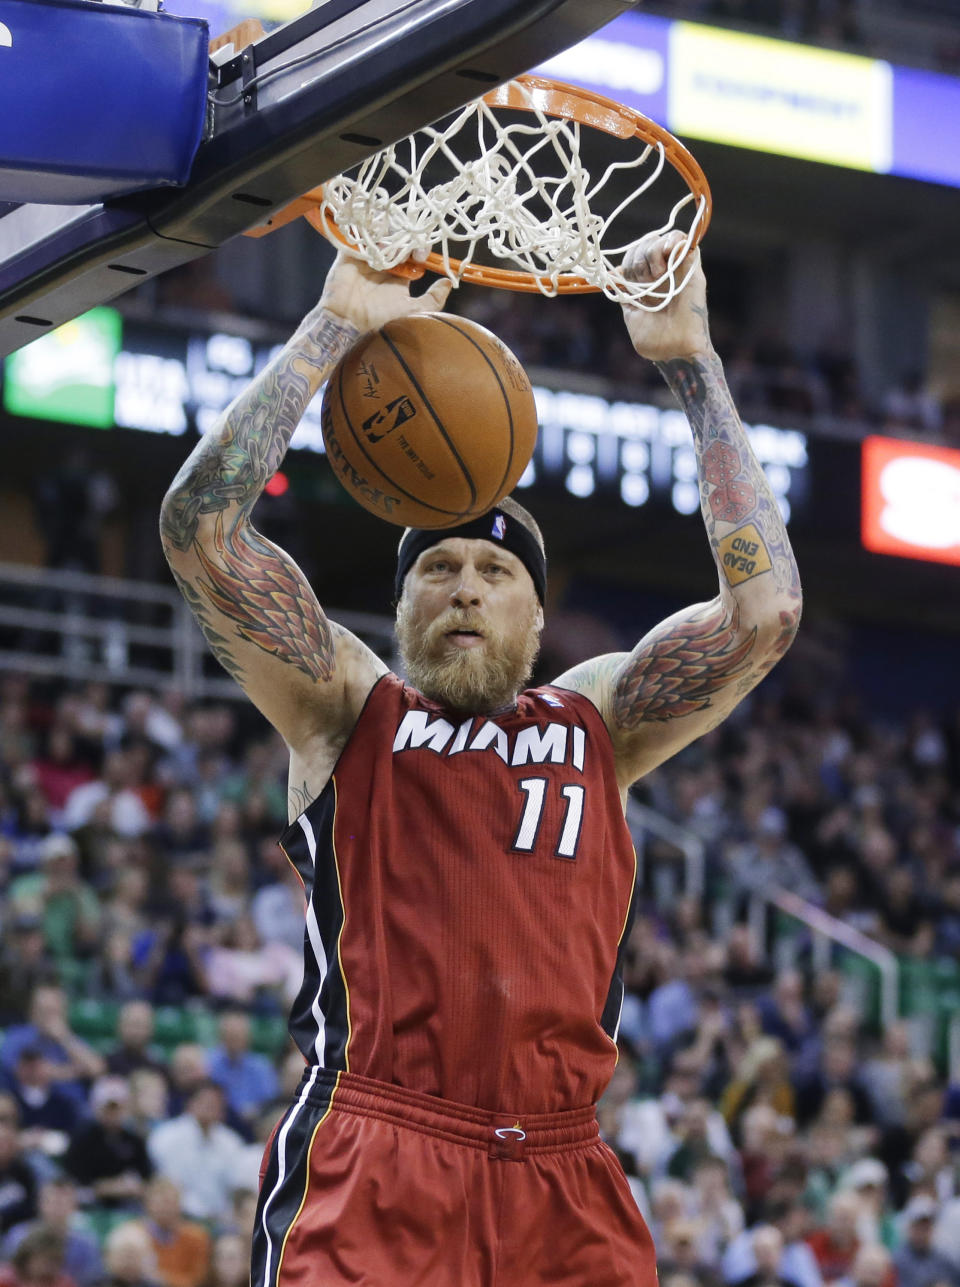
101,1221
268,1034
919,986
865,978
172,1026
94,1020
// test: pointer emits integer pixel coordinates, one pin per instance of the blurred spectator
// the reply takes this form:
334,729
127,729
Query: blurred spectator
231,1262
837,1070
135,1028
105,1156
23,965
924,1102
766,1242
767,858
48,1115
181,836
872,1267
61,768
181,1248
169,960
277,908
837,1243
239,967
38,1261
678,1252
48,1032
68,909
785,1014
719,1215
248,1080
149,1100
18,1185
761,1077
916,1262
126,813
200,1154
649,1125
784,1259
58,1212
128,1257
883,1077
189,1068
867,1178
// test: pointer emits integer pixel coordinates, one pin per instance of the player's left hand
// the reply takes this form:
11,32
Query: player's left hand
679,329
368,299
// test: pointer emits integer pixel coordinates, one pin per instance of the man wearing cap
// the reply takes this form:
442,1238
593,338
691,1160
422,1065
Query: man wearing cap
105,1155
461,840
66,905
916,1261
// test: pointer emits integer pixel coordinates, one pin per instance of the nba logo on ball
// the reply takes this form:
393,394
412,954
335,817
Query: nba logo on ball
499,527
422,410
396,413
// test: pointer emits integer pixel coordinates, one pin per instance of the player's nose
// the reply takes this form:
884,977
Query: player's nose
468,589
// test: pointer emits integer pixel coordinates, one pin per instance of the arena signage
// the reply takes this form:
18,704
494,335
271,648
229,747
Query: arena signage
159,381
911,500
774,95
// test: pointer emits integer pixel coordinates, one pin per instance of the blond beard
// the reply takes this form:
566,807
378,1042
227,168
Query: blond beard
468,680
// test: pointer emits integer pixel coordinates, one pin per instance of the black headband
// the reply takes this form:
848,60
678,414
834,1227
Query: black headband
494,526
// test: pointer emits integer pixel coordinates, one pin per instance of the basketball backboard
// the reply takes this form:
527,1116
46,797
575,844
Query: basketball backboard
287,112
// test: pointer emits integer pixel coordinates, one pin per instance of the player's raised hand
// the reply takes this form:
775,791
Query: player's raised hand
680,328
368,299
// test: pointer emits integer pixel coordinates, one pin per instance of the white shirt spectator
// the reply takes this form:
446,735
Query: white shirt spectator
946,1232
647,1133
207,1166
128,814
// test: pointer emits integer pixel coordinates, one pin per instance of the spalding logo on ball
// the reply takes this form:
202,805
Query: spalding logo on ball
429,421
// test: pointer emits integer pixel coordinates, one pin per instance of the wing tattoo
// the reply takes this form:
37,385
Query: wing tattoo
263,593
678,670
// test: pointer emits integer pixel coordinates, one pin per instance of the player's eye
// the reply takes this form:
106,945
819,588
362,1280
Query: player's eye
438,565
497,568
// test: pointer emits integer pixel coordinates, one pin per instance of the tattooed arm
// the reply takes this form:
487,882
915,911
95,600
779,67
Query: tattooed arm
260,617
687,674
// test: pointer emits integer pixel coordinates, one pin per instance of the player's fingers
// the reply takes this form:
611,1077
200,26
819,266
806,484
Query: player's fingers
437,295
649,258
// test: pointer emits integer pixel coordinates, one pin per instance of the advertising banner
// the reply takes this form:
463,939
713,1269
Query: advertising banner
779,97
911,500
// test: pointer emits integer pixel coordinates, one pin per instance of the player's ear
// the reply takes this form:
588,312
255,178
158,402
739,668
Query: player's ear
539,616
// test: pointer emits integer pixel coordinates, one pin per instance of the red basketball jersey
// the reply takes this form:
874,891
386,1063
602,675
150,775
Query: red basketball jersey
470,885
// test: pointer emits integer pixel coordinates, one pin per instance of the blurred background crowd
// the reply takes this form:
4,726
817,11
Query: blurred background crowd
773,1129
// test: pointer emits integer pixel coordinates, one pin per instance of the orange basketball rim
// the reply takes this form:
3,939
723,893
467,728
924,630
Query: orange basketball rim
553,99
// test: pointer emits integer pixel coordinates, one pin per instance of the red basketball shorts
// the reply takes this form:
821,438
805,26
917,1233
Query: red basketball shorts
373,1186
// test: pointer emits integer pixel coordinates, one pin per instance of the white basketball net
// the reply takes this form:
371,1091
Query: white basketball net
543,225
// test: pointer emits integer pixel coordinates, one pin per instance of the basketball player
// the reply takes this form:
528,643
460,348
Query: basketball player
461,840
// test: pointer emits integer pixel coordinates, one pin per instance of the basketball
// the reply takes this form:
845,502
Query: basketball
429,421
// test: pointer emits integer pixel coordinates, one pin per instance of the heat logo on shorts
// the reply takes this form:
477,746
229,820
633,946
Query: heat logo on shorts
391,417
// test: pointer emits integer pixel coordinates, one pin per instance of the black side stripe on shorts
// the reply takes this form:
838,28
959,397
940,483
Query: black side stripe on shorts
285,1180
319,1017
613,1006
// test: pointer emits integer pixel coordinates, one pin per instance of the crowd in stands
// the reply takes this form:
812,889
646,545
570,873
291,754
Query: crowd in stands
927,28
774,1134
768,380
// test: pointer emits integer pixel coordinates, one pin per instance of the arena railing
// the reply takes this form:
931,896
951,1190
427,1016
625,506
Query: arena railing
643,821
825,932
85,627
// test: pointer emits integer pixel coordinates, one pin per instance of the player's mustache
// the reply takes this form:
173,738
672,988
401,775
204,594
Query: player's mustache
455,619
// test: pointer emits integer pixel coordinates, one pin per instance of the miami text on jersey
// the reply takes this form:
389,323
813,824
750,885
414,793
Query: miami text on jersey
551,744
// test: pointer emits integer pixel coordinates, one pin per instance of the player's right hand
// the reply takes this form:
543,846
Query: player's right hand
367,299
